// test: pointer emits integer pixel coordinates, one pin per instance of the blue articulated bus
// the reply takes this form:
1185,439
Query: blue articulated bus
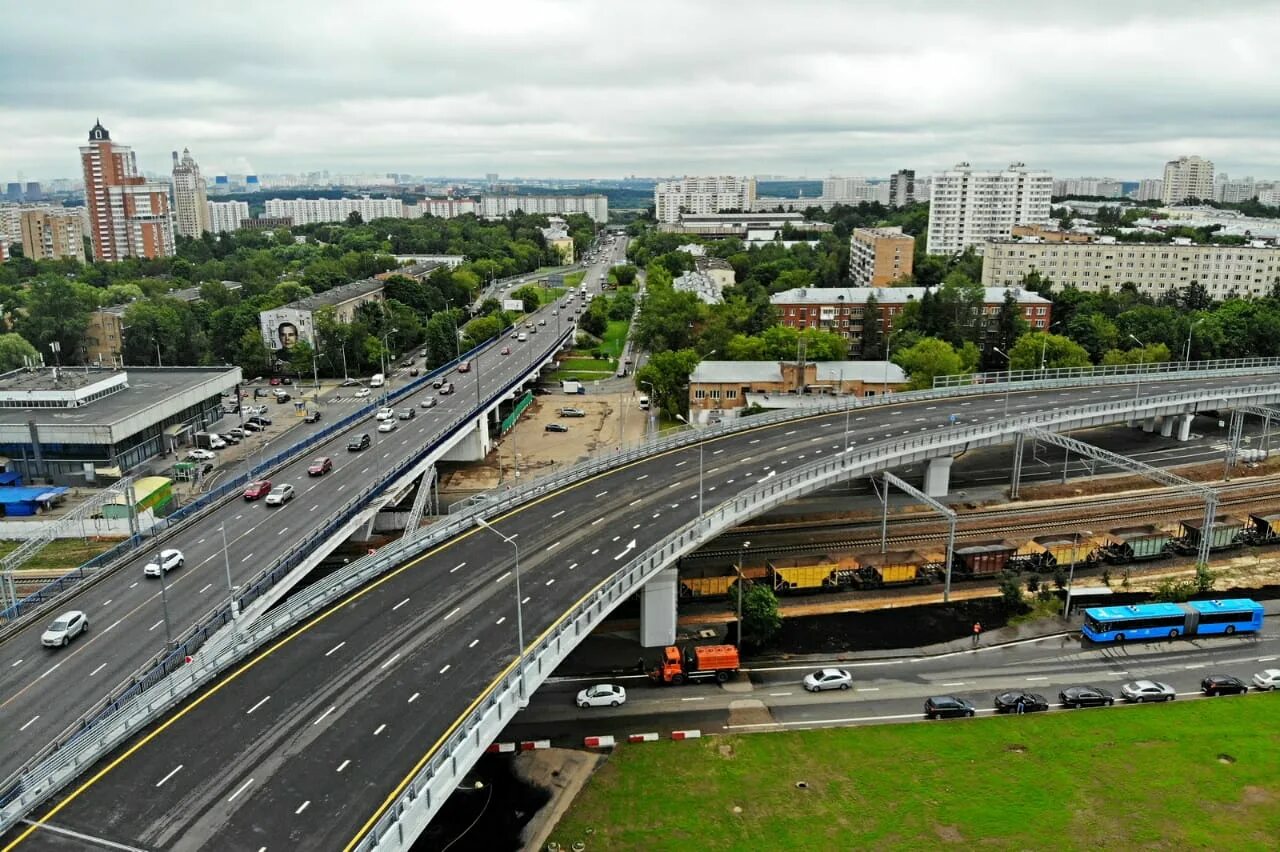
1169,620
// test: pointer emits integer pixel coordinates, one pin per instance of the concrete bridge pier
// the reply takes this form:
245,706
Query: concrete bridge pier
937,476
1149,425
1166,427
658,609
1184,426
475,445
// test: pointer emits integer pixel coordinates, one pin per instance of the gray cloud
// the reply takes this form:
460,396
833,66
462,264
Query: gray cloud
576,88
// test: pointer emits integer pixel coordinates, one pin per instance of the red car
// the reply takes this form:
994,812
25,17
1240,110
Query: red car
275,381
320,466
506,350
257,490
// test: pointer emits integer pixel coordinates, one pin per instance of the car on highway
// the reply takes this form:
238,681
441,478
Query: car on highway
1032,702
1267,679
360,442
824,679
280,494
407,362
275,380
436,384
349,383
602,695
64,628
415,372
168,559
1142,691
428,402
555,427
1086,696
506,350
256,490
312,416
446,388
363,392
522,337
947,706
407,413
387,426
385,414
320,466
201,455
1220,684
572,412
542,322
464,367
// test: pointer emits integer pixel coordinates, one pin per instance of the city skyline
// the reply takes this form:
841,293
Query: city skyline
554,90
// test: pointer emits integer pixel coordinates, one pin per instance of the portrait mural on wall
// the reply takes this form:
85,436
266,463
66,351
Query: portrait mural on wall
287,334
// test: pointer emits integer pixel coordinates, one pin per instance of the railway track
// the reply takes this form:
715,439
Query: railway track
980,524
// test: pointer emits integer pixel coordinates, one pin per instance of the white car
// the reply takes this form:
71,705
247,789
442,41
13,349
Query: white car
828,679
602,695
386,414
387,425
169,559
362,393
65,627
280,494
1267,679
201,455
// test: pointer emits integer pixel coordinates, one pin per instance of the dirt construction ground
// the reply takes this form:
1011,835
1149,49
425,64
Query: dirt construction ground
540,452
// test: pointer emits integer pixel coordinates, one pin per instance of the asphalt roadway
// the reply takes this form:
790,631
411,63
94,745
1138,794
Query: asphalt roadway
772,698
43,690
305,745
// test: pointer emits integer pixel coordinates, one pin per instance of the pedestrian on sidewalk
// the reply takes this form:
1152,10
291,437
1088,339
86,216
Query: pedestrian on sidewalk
977,631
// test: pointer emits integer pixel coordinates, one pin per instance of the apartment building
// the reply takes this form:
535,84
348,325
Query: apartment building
879,256
1149,189
1089,186
1228,191
855,190
595,206
557,238
284,326
902,188
702,195
720,390
226,216
1155,268
306,211
1187,177
444,208
843,310
190,197
52,234
969,207
129,215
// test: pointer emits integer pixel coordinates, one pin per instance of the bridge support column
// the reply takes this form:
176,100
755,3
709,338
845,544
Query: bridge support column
1166,427
1149,425
475,445
937,476
1184,426
658,609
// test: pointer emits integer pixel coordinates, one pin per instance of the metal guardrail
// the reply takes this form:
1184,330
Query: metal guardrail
26,790
172,659
1139,370
491,711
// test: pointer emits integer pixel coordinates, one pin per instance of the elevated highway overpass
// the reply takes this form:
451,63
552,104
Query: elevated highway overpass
351,727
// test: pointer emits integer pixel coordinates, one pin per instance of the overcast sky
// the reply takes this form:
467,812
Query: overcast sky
584,89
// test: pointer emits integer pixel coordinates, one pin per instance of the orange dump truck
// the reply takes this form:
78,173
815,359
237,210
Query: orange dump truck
704,662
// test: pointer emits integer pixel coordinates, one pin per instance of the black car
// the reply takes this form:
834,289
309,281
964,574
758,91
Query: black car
1086,696
555,427
285,380
944,706
1223,685
349,383
1032,702
363,442
229,438
313,416
259,420
250,426
407,413
282,397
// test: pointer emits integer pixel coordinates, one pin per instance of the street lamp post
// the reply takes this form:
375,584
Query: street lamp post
888,344
1044,347
524,693
741,581
231,589
1008,382
1186,357
702,437
1142,355
164,598
315,375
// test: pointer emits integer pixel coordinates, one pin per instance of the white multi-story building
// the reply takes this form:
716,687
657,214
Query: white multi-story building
226,216
443,208
1187,177
1155,268
190,197
702,195
305,211
1149,189
969,207
1270,196
1089,186
500,206
903,188
1228,191
855,190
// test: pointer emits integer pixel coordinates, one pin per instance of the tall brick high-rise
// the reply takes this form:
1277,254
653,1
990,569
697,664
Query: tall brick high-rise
128,215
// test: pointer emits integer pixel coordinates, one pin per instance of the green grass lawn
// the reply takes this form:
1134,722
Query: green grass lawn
62,554
1140,778
615,334
573,279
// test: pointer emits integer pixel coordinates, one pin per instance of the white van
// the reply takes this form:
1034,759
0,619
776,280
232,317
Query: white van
644,403
377,381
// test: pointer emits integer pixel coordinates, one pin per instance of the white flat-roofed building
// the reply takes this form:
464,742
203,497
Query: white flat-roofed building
227,216
969,207
444,208
702,195
1187,177
500,206
306,211
1154,268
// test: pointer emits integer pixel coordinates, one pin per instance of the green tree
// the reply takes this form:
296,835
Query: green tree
300,355
56,311
1157,354
625,275
595,320
668,373
354,218
1010,326
872,334
479,330
252,354
16,352
761,618
927,358
531,297
1011,591
441,343
1057,351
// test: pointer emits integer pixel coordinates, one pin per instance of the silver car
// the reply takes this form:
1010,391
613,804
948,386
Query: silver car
828,679
65,627
602,695
1267,679
1142,691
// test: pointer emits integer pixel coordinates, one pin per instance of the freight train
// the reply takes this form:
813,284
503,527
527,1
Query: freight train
1042,554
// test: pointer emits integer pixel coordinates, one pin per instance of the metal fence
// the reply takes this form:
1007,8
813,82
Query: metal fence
1126,370
24,790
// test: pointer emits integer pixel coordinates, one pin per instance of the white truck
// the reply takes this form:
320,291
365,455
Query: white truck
570,386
